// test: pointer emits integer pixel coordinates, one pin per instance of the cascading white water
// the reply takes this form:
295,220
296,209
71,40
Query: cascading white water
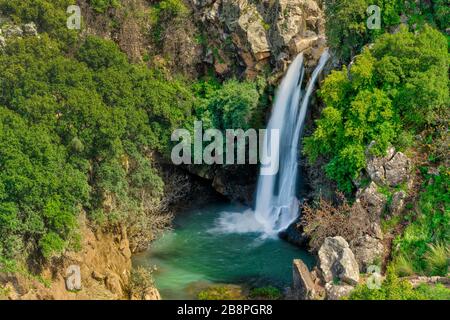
276,205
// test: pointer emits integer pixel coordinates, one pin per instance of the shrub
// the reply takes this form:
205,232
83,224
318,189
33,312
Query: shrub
325,220
221,293
424,243
398,85
141,281
266,293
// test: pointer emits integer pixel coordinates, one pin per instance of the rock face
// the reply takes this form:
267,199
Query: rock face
30,29
337,261
374,202
397,203
368,250
101,270
391,170
337,292
303,287
257,33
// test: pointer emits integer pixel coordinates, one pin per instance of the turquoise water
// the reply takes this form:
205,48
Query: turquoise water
200,252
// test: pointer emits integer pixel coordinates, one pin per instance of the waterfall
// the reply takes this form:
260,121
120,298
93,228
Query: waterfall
276,205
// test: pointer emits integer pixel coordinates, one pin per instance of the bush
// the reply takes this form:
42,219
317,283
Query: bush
266,293
221,293
102,5
398,85
325,220
423,248
141,282
392,288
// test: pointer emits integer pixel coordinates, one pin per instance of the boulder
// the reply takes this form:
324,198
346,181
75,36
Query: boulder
30,29
373,201
12,31
337,292
391,170
367,251
398,203
303,287
397,169
337,261
113,284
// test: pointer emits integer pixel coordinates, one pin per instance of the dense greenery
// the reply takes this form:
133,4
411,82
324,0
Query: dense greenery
79,123
393,288
346,22
424,248
397,86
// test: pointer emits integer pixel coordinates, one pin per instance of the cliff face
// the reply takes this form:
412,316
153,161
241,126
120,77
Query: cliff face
252,36
104,264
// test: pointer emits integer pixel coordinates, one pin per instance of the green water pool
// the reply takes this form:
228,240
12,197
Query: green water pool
198,253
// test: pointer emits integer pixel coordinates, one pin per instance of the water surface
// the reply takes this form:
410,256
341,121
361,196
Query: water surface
202,251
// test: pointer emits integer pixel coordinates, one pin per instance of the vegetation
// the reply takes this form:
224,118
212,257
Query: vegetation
394,288
398,85
424,248
266,293
346,23
76,133
141,282
221,293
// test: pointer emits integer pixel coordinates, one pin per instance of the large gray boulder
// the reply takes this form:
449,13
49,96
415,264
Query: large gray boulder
337,261
391,170
337,292
368,250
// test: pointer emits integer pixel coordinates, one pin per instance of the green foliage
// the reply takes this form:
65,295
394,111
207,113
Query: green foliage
423,248
221,293
49,16
74,130
394,288
398,85
166,13
230,106
266,293
346,23
102,5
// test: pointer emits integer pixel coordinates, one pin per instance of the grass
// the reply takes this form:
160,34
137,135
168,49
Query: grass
266,293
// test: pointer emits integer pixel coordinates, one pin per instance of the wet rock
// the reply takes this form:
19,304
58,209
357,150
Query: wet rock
368,250
337,292
337,261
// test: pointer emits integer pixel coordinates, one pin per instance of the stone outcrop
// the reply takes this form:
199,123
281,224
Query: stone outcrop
100,270
374,202
391,170
254,34
303,286
337,261
367,250
397,203
337,292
